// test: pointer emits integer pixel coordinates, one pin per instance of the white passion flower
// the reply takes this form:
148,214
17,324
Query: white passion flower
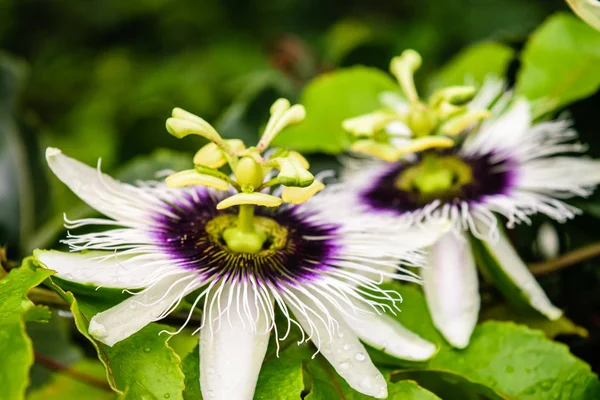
508,166
240,263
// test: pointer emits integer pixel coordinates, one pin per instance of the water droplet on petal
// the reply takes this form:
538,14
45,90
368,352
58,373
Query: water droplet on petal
347,347
360,357
167,395
367,383
344,365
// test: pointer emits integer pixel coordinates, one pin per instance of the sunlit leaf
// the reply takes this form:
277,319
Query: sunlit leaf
560,62
331,98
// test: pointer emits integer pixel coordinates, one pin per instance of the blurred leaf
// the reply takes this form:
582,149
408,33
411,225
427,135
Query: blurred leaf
16,350
562,326
344,36
511,360
560,62
473,64
63,386
16,213
141,365
331,98
52,340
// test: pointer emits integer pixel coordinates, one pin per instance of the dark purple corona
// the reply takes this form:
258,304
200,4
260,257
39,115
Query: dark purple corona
296,250
489,178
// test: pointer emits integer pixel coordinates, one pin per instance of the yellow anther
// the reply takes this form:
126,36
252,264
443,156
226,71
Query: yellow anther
296,195
383,151
457,95
184,123
297,156
458,124
425,143
292,172
213,156
258,199
192,177
282,115
369,124
404,67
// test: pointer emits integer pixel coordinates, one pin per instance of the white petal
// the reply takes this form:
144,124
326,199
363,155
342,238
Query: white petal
343,350
512,265
452,289
562,174
108,196
384,333
128,317
232,355
505,132
97,268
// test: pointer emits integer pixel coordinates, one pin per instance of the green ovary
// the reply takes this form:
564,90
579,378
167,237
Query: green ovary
435,176
262,235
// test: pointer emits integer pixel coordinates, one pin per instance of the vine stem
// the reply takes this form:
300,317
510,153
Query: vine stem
80,376
566,260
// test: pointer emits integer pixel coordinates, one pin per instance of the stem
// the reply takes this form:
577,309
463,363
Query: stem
566,260
80,376
246,218
47,297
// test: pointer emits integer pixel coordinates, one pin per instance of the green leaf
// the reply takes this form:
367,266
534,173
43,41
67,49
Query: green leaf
282,377
521,363
560,61
473,64
191,370
511,360
16,350
143,365
453,386
327,384
65,386
330,99
562,326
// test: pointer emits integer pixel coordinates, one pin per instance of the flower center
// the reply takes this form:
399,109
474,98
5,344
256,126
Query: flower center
434,176
266,236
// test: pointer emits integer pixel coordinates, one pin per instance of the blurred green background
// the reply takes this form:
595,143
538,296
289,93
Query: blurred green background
99,78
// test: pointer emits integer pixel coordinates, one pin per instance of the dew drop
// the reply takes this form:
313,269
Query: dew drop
347,347
546,385
167,395
147,349
341,335
359,357
344,365
367,383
